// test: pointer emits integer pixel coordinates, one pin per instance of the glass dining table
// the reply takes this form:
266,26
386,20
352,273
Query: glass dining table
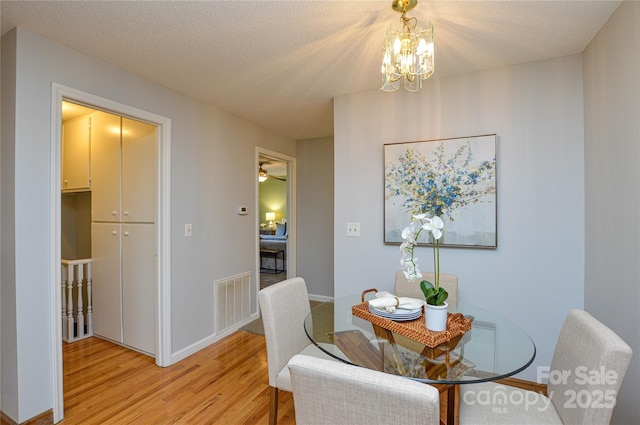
493,349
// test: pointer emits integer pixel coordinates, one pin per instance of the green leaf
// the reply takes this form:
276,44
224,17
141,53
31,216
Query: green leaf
442,296
432,296
427,288
436,297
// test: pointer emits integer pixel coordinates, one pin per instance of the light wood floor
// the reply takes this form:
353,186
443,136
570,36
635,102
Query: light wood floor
226,383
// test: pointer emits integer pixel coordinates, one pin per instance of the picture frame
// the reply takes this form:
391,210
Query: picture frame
455,179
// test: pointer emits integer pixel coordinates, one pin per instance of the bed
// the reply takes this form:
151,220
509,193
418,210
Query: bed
276,242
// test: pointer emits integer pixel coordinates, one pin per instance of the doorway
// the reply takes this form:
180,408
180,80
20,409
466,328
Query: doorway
275,217
161,205
108,226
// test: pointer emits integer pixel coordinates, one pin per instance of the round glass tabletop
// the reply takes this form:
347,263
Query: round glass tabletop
493,349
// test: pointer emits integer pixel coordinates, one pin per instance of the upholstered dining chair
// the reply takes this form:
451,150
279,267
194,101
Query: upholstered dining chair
405,288
326,392
284,306
588,365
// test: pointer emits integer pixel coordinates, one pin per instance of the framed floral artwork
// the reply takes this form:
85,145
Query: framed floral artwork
454,179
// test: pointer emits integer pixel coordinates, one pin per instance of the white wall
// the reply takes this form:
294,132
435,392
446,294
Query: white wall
315,215
9,354
213,172
537,272
612,168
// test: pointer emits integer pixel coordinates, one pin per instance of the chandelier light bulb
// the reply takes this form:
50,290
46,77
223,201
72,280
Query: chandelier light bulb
396,45
422,47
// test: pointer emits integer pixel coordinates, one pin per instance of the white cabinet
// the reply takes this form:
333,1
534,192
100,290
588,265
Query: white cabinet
123,167
107,282
138,286
76,155
105,167
124,264
123,210
139,146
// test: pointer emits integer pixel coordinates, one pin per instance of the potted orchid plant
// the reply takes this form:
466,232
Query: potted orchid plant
434,294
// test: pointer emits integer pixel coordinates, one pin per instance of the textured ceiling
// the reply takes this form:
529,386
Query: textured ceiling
280,63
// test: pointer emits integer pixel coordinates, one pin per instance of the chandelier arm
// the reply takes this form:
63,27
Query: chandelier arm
393,80
408,24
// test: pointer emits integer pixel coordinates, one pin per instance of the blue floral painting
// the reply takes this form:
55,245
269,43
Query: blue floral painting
454,179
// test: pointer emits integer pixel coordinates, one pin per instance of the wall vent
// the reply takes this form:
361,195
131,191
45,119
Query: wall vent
233,301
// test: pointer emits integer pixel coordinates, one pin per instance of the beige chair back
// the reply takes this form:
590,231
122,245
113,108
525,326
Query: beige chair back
589,363
326,392
405,288
587,348
284,306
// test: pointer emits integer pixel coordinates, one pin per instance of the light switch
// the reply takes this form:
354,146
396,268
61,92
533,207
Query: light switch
188,230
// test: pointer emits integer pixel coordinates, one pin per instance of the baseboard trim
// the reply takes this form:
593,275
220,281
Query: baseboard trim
45,418
199,345
321,298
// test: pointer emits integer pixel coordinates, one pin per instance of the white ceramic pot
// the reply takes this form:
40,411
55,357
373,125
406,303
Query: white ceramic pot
435,317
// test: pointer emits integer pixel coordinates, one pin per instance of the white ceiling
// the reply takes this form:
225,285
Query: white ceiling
280,63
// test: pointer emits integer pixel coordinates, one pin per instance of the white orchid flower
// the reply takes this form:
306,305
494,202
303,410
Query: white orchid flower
408,235
412,274
434,225
407,260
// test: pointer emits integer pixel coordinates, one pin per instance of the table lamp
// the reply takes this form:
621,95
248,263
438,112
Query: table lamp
270,217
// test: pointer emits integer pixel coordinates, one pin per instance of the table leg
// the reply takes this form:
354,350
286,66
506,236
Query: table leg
453,405
449,403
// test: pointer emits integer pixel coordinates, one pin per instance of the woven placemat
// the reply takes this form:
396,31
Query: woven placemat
457,325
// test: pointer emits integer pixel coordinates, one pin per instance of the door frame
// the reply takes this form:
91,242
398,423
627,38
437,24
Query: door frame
291,211
163,244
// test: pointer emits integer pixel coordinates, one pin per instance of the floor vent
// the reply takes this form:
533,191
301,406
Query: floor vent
233,301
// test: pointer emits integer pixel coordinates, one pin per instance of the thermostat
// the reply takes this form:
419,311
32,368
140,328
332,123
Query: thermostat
242,211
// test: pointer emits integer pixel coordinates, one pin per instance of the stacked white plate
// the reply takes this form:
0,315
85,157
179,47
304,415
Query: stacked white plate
400,315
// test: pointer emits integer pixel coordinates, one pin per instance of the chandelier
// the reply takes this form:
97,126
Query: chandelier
408,53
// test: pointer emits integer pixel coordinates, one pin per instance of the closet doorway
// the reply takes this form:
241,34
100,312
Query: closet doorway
135,233
108,227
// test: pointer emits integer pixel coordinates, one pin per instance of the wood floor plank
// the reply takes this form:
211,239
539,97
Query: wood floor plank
225,383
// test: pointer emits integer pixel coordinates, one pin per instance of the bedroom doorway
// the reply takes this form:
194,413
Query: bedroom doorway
274,217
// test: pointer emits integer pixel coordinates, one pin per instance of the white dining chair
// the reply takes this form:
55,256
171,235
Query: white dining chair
585,348
284,306
326,392
405,288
